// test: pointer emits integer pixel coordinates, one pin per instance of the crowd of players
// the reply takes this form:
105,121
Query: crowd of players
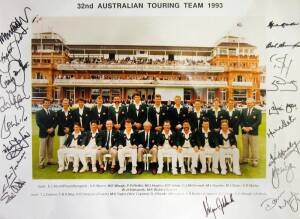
150,135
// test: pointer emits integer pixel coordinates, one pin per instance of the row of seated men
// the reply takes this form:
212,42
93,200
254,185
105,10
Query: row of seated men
138,113
130,143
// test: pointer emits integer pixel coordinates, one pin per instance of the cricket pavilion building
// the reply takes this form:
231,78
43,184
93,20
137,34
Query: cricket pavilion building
60,70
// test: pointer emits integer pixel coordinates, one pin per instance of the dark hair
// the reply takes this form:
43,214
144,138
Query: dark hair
136,94
128,121
186,121
224,121
158,95
46,100
77,123
94,121
81,99
167,121
205,120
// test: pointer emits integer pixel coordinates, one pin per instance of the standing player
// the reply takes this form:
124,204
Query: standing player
157,114
117,113
216,114
137,112
65,122
250,121
196,116
99,113
82,115
46,121
234,117
178,114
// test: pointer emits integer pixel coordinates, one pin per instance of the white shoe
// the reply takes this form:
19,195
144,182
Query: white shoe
160,170
216,171
121,170
66,167
60,169
194,171
238,172
75,170
94,169
83,169
133,171
182,170
174,171
203,171
223,172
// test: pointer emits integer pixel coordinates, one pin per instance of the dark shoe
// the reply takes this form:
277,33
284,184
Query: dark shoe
51,163
101,171
113,170
42,166
154,171
140,171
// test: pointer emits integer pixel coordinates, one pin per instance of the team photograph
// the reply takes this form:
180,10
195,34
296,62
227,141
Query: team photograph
109,109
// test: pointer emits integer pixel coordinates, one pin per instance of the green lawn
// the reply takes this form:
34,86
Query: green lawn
50,171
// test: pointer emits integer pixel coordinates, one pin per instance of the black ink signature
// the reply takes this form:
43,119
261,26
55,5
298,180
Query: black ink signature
282,25
283,125
288,108
15,26
16,145
11,187
282,45
291,201
278,171
282,63
283,154
280,84
221,203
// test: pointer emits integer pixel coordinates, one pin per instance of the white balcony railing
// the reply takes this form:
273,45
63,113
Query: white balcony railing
137,83
242,84
140,67
39,81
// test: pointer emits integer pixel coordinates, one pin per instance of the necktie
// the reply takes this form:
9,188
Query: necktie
108,139
249,111
147,139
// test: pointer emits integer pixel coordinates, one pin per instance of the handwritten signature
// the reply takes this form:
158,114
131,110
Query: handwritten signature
220,204
282,201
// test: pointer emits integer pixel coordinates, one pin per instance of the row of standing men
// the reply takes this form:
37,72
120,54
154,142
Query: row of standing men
138,113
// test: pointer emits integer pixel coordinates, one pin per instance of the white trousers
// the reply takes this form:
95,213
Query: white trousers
187,152
167,152
64,153
234,153
125,151
62,140
87,152
209,152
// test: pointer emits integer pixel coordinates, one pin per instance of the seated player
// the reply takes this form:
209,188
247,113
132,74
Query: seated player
228,146
147,144
89,147
187,147
70,149
128,146
166,141
109,144
208,146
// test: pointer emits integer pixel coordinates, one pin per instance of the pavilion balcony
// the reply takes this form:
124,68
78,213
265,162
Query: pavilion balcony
242,84
139,83
140,67
39,81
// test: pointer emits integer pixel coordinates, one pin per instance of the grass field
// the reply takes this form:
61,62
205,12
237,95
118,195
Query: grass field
50,171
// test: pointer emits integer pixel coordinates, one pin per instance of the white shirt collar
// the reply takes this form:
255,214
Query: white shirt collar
179,106
131,131
185,133
223,133
203,131
170,132
73,133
